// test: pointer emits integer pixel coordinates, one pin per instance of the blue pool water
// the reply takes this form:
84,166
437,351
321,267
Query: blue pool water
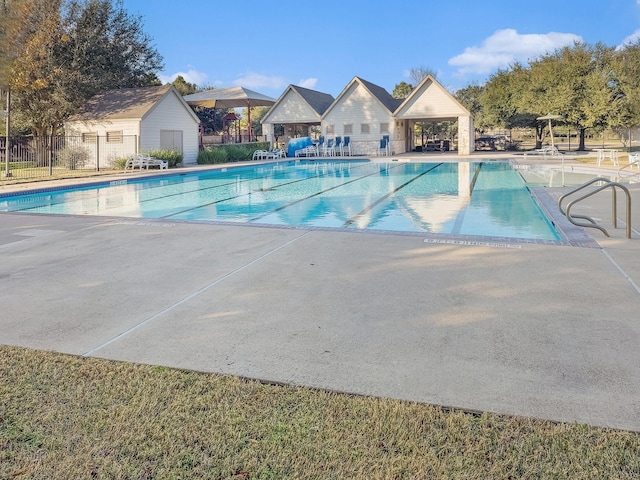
466,198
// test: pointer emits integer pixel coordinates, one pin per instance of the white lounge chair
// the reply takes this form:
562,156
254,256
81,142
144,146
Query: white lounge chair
156,162
133,162
141,161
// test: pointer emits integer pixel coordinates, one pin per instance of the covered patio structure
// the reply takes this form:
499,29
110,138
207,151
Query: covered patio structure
298,110
431,102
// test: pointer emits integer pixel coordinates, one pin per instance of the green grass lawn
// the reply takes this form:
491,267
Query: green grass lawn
64,417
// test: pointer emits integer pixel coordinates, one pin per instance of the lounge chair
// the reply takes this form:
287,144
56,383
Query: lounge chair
308,151
387,139
382,147
346,146
259,155
338,146
329,148
133,162
156,162
277,153
145,161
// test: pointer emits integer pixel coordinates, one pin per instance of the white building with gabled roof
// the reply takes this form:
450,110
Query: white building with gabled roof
366,113
122,122
430,101
298,109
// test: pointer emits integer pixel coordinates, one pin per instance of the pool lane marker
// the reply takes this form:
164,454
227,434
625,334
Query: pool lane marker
377,172
324,174
370,207
191,296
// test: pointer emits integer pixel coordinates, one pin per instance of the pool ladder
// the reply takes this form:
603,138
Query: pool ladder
592,223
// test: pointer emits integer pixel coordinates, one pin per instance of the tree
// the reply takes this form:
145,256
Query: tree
575,82
470,97
502,101
626,85
74,51
402,90
184,87
419,73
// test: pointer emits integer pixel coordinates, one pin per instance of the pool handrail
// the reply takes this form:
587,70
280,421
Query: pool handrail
593,224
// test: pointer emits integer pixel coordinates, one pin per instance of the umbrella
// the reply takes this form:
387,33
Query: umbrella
232,97
550,117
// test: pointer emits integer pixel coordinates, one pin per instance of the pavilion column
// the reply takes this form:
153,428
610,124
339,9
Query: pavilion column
466,135
268,133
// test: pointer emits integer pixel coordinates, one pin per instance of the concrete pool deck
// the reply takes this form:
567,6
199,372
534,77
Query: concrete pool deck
545,331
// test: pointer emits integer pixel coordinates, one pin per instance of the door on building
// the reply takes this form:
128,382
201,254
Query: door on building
171,140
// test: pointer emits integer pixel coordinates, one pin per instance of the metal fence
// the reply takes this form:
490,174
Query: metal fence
41,157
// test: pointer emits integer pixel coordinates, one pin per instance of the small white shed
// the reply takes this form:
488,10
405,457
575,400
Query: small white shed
123,122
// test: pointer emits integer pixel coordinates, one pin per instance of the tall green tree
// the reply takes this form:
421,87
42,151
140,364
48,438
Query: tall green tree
576,83
471,96
626,85
503,103
73,51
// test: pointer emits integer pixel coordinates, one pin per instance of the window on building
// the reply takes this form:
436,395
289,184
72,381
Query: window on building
114,137
90,137
364,128
384,128
348,129
331,129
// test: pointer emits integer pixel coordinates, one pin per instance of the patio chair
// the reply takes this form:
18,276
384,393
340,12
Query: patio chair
133,162
382,147
156,162
346,146
338,146
259,155
277,153
329,149
387,139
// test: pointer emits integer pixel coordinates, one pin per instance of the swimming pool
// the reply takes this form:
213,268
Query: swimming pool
465,198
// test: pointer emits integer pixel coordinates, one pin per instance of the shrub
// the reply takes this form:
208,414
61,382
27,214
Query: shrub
230,153
73,157
119,163
215,155
173,157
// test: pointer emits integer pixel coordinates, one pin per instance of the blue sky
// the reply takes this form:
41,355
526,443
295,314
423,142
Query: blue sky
267,45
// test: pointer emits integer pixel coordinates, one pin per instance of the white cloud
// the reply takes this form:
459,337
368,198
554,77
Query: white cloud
310,82
507,46
633,38
256,80
192,76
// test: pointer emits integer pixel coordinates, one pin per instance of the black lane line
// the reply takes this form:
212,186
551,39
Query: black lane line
89,192
227,174
457,225
392,192
319,193
250,193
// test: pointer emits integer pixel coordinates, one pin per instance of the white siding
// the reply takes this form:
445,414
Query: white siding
292,108
102,153
356,106
431,101
170,114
